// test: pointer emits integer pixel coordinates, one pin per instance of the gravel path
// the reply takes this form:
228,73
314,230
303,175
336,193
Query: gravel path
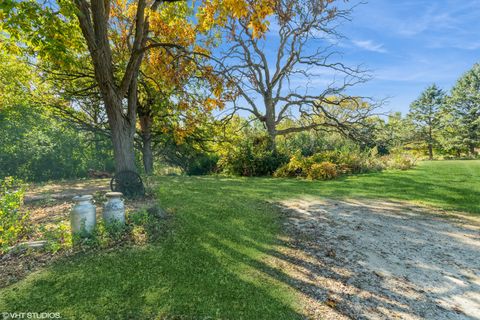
384,260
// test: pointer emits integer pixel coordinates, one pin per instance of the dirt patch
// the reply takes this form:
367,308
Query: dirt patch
383,260
66,190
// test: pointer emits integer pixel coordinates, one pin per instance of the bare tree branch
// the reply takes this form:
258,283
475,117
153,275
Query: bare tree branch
275,88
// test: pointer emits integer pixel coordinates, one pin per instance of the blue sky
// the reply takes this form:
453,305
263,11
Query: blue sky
409,44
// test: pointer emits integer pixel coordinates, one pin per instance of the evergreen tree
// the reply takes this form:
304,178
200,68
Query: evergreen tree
425,114
464,109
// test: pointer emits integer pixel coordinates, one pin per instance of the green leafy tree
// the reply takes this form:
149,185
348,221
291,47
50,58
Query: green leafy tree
393,133
463,108
114,38
34,143
449,138
425,115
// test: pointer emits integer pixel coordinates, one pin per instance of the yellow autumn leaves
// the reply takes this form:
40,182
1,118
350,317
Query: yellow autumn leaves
192,26
252,12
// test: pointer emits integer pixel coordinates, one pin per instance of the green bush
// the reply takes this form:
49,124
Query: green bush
253,158
192,157
203,164
13,220
309,167
352,160
36,146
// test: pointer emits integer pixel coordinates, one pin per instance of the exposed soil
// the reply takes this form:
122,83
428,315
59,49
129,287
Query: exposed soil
66,190
382,260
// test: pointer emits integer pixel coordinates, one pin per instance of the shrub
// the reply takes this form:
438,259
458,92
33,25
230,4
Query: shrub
13,220
354,160
323,171
330,164
298,166
310,167
399,161
203,164
35,146
351,160
253,158
372,163
188,155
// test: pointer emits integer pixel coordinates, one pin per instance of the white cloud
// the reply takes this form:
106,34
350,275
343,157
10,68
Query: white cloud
446,42
430,20
415,70
370,45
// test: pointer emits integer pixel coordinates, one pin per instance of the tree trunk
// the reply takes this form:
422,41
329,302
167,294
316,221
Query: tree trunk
471,147
147,156
430,151
122,127
146,134
272,144
271,125
120,119
430,141
272,135
123,148
123,151
93,17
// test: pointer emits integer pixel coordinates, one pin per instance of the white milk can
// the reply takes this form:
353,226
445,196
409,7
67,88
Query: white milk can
114,209
83,216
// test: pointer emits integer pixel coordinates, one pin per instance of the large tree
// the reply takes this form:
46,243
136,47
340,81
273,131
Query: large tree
425,112
463,106
115,75
172,77
291,73
118,88
49,29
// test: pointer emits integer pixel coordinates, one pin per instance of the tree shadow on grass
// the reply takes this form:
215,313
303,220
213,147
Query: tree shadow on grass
147,283
222,260
244,190
182,276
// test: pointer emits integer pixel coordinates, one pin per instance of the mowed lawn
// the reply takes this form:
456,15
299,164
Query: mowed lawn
215,262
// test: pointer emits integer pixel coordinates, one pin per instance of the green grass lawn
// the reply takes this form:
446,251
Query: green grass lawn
449,185
214,263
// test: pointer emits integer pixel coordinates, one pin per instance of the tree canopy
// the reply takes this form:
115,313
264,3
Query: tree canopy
109,39
464,108
425,113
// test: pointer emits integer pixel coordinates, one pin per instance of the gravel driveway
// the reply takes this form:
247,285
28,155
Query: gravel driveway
384,260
